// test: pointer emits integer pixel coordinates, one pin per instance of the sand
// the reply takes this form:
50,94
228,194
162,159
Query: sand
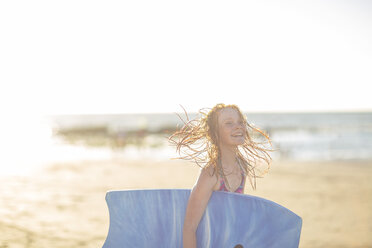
64,205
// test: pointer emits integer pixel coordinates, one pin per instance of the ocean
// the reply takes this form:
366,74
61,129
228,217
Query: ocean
29,142
297,136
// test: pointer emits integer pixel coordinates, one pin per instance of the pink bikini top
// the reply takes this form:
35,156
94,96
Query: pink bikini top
238,190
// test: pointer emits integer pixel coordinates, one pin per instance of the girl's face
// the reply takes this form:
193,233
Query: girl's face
231,128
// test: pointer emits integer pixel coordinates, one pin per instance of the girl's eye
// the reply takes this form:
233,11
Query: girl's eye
228,123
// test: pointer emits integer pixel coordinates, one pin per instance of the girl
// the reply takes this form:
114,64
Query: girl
220,143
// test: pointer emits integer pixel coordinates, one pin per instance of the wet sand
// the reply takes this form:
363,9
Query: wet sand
64,204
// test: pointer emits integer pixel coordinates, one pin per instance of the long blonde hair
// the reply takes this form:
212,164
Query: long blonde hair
198,141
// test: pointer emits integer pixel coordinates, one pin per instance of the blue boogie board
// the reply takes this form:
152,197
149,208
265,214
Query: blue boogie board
154,218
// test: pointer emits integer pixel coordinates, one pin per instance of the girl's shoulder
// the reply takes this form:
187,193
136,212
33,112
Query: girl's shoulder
207,177
208,172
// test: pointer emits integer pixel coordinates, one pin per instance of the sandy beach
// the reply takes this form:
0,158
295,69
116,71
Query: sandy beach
64,205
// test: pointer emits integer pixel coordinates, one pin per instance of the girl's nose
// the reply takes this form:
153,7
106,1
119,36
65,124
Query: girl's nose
238,126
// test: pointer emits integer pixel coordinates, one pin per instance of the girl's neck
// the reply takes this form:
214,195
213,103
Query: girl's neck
228,157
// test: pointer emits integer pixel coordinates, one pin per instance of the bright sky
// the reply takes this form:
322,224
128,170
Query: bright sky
75,56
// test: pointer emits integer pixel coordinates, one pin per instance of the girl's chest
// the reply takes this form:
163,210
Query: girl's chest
234,181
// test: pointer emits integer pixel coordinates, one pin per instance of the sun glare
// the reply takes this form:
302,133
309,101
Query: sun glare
25,141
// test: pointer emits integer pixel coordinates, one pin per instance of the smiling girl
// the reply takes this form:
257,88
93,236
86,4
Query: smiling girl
220,143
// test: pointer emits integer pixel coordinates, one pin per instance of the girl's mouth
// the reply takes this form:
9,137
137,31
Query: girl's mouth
237,135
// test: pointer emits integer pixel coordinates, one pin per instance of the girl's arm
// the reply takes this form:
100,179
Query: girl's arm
196,205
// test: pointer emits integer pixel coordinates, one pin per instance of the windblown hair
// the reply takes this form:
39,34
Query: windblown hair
198,141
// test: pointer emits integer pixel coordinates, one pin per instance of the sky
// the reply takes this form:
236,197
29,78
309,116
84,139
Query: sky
101,57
